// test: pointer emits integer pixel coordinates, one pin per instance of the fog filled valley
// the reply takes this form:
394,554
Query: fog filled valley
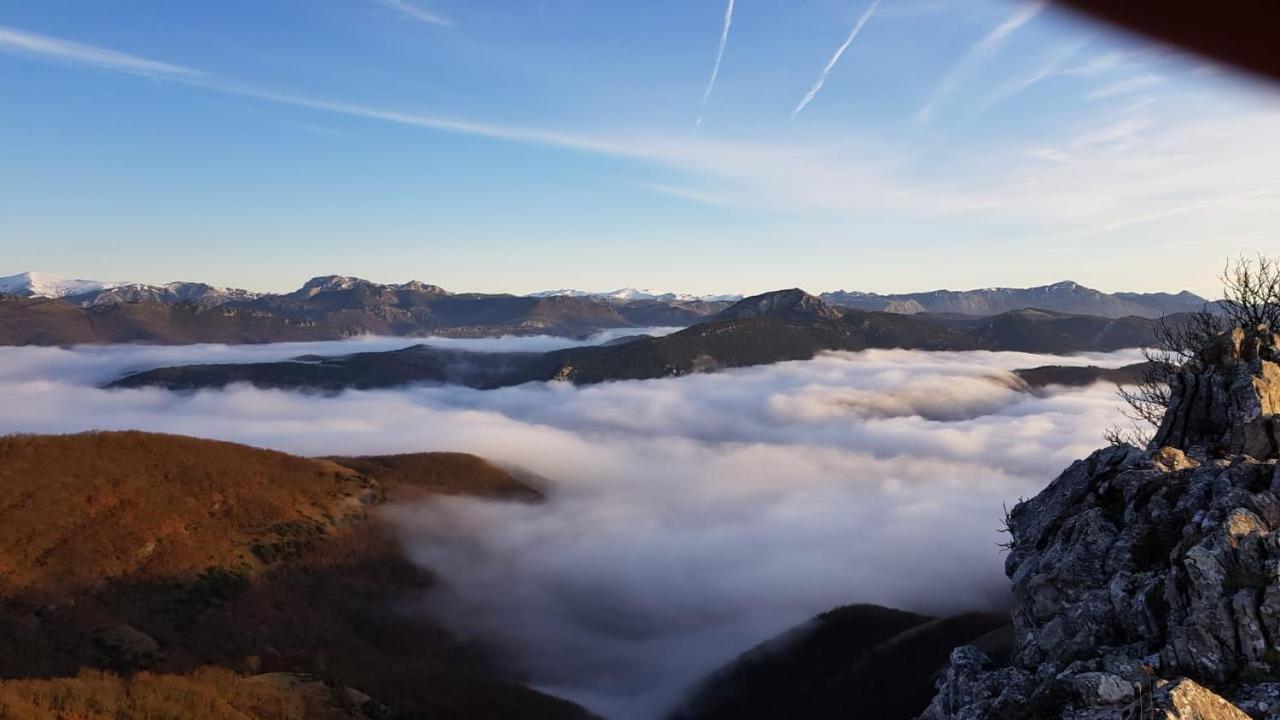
562,360
686,519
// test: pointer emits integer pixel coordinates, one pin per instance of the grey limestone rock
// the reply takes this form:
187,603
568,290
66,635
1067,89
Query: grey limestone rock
1146,582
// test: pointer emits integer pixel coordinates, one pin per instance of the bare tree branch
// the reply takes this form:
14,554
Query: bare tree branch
1251,298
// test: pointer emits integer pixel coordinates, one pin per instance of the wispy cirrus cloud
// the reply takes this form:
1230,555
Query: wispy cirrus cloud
21,42
1106,63
1023,14
1125,87
715,69
529,135
748,171
1051,66
413,12
699,196
826,70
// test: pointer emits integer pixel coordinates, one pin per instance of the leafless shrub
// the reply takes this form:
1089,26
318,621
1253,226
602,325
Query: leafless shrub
1251,298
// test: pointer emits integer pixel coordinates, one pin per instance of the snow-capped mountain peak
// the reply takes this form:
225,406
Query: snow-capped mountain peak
97,292
38,284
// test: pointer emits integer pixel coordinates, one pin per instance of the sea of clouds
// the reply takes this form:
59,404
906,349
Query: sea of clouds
687,520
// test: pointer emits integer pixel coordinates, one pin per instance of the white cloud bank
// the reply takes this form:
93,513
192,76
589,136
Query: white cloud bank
688,519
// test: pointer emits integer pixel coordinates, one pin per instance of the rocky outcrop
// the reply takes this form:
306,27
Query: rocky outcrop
1225,401
1146,583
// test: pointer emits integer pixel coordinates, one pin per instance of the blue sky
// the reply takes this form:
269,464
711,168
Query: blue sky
519,146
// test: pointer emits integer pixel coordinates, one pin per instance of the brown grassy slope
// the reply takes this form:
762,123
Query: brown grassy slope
206,694
445,473
132,551
77,511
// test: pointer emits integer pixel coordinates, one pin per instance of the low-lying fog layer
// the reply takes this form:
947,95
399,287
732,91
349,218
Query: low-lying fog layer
688,519
98,364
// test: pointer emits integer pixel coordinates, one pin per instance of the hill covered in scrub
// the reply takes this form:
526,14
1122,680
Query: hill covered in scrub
224,571
764,329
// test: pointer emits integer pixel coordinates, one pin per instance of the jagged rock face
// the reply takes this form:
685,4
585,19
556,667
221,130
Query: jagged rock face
1225,401
1130,571
1147,583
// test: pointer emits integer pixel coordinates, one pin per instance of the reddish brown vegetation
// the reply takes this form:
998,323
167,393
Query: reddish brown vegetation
77,511
206,694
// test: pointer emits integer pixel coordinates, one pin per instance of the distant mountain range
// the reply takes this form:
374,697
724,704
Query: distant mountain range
41,309
759,330
1068,297
37,284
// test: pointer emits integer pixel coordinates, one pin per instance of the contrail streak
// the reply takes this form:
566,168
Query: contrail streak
822,77
715,70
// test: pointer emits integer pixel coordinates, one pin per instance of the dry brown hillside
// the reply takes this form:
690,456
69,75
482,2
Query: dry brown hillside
78,511
130,552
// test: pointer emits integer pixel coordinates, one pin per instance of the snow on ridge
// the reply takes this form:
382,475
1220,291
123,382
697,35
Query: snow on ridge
38,284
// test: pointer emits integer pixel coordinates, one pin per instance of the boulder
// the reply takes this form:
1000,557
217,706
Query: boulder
126,647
